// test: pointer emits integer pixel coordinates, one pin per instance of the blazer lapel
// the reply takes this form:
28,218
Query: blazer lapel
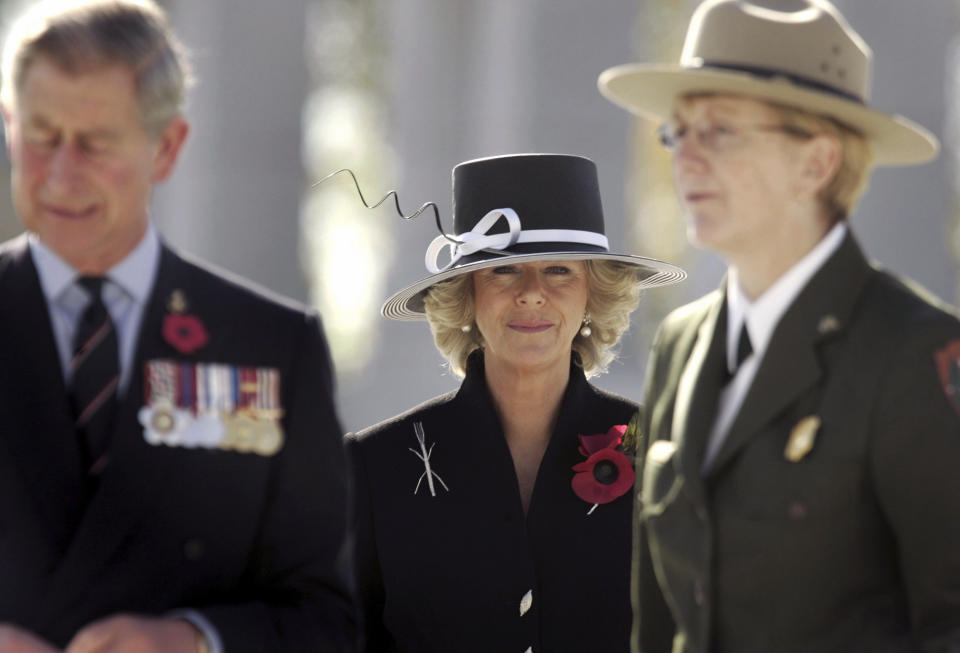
791,364
38,426
697,393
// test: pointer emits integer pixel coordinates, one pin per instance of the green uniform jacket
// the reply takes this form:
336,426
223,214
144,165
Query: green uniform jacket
852,546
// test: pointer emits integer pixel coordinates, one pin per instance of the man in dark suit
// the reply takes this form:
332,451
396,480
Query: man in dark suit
800,488
171,467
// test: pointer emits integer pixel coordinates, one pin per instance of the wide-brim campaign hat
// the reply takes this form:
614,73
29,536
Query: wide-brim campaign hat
522,208
806,56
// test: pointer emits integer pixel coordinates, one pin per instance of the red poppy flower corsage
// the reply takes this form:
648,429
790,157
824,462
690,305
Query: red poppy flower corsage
606,474
185,333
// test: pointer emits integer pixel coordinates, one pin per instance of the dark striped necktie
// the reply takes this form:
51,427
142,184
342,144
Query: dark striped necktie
95,370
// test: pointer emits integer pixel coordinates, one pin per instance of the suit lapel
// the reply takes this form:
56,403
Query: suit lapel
697,393
791,364
792,348
43,447
150,345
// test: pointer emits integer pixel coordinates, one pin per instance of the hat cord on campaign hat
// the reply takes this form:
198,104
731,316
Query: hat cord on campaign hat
774,73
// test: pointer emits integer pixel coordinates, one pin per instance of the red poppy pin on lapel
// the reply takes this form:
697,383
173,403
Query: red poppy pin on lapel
606,474
182,331
948,366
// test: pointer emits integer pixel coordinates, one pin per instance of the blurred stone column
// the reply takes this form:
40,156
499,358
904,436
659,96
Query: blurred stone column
9,224
907,214
234,198
469,79
952,141
657,224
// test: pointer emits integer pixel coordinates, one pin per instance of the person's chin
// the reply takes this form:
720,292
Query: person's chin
705,228
73,242
699,232
70,232
534,358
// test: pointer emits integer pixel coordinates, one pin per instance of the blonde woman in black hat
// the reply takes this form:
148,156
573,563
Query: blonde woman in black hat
498,517
800,486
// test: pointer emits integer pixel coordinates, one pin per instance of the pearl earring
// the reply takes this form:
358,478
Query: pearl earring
466,328
585,330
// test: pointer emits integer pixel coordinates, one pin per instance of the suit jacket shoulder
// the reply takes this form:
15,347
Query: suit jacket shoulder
692,313
232,290
681,325
384,429
902,308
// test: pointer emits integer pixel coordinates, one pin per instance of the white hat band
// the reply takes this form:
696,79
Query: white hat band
477,239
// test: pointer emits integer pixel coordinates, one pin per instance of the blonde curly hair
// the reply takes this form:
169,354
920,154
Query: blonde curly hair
613,294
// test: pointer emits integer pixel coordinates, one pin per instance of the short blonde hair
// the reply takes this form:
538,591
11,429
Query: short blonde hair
840,196
613,294
87,35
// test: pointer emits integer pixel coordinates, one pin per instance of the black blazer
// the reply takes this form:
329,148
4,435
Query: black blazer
255,543
448,573
852,546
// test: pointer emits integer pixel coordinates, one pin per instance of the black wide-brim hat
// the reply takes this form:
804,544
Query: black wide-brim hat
522,208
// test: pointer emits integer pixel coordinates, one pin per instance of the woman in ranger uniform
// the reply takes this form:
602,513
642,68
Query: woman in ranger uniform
800,489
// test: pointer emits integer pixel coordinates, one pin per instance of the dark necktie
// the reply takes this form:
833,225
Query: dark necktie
96,372
744,350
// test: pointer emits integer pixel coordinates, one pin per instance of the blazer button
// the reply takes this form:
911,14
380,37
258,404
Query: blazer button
526,602
700,593
193,549
702,513
797,510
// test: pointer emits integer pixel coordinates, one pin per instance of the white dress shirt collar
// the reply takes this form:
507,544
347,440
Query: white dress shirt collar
763,314
134,274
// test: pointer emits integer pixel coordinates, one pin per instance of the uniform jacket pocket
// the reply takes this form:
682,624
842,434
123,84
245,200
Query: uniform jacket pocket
661,483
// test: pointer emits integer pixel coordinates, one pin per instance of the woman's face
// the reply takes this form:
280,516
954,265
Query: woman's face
735,172
529,313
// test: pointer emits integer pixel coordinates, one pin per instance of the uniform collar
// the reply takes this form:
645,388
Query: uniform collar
762,315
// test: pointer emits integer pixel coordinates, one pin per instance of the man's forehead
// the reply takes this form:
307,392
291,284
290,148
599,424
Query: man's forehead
36,118
94,101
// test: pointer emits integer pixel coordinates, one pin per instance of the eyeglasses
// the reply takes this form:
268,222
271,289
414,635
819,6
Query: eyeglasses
719,137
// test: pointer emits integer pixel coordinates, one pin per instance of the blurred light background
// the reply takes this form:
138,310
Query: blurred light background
402,90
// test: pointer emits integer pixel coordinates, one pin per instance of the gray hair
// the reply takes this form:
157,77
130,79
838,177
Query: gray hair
88,35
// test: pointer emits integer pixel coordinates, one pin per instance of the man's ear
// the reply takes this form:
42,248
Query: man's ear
169,145
819,161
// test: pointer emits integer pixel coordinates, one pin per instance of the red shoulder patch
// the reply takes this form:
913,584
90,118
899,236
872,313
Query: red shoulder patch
948,365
